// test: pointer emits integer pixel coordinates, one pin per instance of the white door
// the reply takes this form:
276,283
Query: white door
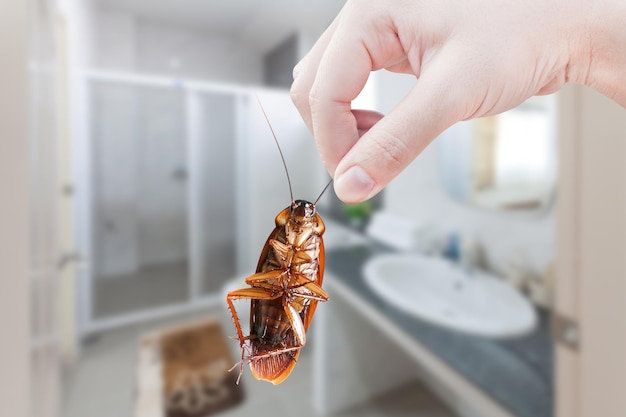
591,258
29,352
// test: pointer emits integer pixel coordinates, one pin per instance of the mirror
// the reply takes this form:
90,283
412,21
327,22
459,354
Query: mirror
504,162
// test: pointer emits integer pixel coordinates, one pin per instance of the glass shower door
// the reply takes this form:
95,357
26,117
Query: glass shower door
213,125
140,210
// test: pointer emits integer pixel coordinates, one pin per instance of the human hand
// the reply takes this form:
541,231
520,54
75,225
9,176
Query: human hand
471,59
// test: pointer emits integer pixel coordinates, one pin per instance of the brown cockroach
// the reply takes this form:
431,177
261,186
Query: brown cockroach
284,291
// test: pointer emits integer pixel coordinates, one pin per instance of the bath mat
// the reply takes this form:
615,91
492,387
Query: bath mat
183,372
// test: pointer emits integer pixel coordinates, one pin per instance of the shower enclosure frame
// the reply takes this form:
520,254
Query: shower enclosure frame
84,179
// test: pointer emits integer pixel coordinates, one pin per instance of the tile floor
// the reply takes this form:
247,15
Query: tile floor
102,384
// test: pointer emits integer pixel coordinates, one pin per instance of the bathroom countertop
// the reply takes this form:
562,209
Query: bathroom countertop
516,373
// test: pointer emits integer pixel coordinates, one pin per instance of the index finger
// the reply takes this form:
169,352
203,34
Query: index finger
341,75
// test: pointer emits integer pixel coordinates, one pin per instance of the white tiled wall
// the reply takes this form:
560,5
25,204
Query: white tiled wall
124,42
181,52
114,38
418,194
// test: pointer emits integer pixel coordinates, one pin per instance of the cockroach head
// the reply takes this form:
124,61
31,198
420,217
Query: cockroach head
302,210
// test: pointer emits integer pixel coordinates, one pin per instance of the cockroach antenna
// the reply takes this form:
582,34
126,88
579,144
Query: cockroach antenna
278,145
323,191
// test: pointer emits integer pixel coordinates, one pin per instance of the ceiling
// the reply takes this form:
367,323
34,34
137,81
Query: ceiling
259,23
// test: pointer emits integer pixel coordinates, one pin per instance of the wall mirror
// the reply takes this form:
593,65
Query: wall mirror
505,162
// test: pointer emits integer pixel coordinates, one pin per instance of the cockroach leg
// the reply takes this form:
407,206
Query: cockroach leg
267,280
296,324
240,364
252,358
246,293
273,353
316,291
244,348
249,337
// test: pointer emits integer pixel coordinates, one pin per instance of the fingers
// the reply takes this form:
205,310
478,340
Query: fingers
334,73
465,63
395,140
323,93
305,71
365,119
362,150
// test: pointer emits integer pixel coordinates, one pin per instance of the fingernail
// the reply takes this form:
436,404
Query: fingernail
354,185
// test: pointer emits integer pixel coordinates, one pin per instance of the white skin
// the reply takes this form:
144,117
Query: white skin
471,58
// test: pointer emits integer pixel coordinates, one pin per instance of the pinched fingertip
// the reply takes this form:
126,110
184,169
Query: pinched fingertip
354,185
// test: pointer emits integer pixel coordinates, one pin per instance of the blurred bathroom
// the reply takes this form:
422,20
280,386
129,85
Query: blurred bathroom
442,287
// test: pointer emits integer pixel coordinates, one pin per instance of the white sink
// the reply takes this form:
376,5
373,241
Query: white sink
438,291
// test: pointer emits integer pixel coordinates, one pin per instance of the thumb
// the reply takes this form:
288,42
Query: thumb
398,138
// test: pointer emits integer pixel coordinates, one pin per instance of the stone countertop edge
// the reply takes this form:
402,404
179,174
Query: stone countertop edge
516,373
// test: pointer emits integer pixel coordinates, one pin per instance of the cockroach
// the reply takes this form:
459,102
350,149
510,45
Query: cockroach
284,291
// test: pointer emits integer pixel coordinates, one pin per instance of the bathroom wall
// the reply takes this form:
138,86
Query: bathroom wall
279,62
418,194
124,42
114,40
